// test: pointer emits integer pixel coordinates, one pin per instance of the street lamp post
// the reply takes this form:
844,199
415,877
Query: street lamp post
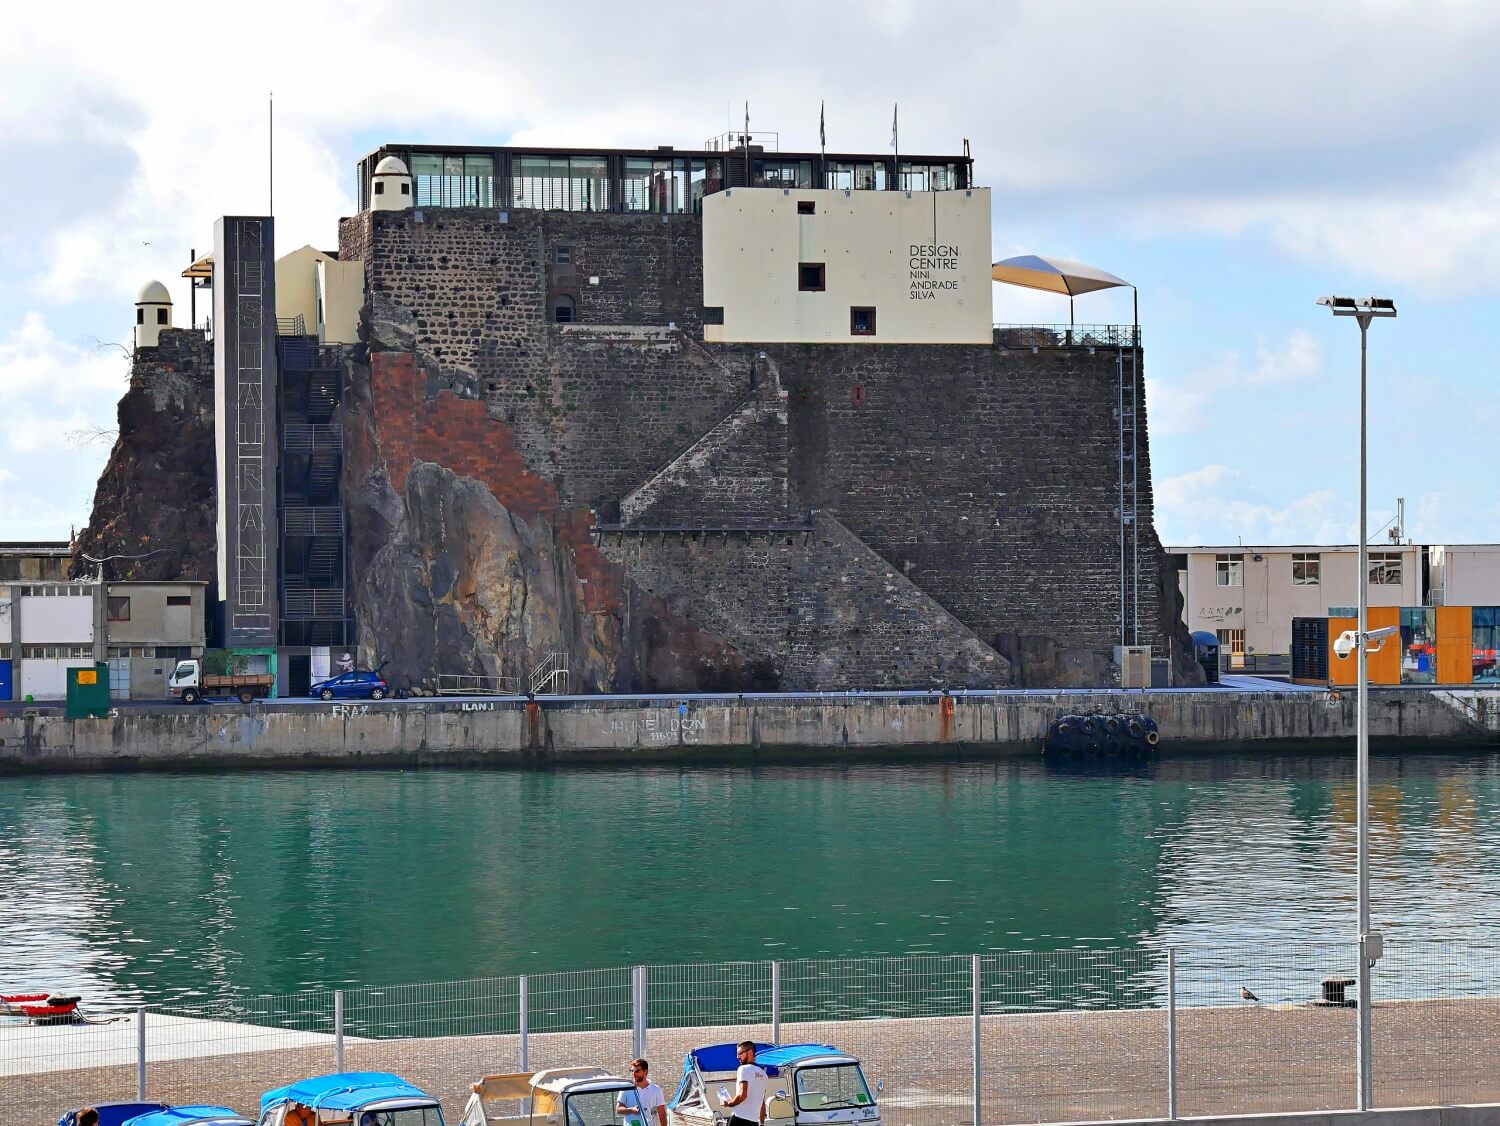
1363,310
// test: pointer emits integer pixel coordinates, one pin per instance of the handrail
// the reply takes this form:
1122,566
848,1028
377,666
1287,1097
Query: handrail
1067,336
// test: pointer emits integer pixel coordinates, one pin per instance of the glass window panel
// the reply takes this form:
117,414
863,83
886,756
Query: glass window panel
782,173
658,185
1418,652
1486,628
705,178
589,177
427,177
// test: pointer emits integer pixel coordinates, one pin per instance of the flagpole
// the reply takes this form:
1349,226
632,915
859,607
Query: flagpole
747,144
896,141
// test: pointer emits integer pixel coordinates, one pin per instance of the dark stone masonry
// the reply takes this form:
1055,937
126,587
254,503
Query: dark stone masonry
676,515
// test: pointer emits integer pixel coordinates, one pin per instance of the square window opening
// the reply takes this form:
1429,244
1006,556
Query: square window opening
563,255
380,187
1231,569
161,316
810,277
807,207
861,321
119,609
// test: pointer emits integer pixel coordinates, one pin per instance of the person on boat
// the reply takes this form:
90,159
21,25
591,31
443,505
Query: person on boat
652,1101
749,1099
88,1116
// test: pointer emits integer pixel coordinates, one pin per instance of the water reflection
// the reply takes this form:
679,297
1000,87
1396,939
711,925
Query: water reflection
191,886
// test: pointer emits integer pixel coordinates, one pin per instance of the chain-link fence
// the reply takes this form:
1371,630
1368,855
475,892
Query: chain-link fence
996,1038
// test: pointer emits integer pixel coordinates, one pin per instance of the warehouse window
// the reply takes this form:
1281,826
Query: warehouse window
810,277
861,321
1385,568
1307,568
179,600
1231,569
119,609
1232,643
564,309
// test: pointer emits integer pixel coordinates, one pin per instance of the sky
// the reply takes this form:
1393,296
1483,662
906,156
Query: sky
1234,161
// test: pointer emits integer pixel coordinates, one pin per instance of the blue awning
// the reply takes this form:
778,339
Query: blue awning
189,1115
347,1090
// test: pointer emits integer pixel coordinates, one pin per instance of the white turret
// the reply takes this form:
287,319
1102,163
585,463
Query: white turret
153,312
390,187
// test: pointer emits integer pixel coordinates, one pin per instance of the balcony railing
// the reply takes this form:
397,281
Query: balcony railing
735,141
300,603
1067,336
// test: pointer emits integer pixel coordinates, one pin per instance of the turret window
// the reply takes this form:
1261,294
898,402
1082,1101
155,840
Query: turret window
380,187
140,316
161,316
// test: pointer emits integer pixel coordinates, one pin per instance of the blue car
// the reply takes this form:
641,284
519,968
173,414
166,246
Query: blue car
359,685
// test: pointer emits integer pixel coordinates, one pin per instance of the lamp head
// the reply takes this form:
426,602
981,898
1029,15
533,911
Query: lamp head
1359,306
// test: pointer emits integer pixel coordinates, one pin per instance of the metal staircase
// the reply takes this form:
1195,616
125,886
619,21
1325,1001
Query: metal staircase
550,677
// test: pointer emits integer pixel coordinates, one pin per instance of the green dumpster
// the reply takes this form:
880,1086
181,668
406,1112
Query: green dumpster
88,692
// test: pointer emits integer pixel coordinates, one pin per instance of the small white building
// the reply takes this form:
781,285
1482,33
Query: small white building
1248,596
153,312
1464,574
46,629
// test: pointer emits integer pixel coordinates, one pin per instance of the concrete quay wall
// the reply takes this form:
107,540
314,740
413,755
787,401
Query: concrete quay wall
558,731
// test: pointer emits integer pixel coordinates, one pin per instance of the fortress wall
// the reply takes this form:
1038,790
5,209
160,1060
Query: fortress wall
985,477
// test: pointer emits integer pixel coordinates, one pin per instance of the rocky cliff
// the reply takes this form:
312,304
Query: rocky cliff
154,505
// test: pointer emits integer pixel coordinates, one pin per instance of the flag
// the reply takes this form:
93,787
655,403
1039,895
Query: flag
822,133
894,111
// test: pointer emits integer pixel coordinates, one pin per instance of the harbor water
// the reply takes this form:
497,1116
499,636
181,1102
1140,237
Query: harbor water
184,887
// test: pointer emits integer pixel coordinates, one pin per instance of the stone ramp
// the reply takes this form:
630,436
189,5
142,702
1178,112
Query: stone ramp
1054,1067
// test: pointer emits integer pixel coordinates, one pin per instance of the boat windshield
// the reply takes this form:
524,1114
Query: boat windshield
836,1087
402,1116
601,1108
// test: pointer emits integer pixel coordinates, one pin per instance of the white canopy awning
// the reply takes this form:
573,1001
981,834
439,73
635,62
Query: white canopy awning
1056,275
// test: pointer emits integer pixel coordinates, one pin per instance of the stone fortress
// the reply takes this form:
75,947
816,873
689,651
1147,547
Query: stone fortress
676,420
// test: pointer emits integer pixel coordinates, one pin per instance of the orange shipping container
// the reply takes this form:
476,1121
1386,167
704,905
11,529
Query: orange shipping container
1455,645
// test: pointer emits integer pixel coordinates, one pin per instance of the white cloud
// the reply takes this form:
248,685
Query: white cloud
1198,402
49,389
1215,504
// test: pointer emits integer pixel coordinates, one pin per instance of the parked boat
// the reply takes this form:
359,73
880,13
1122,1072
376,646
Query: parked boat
112,1114
41,1008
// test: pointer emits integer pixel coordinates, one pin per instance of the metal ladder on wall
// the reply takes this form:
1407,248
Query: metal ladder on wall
1127,407
550,677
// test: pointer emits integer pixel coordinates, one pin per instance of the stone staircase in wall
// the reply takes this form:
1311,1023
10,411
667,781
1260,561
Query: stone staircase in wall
735,474
713,533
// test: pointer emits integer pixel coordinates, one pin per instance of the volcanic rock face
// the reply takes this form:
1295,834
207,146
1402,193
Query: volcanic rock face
156,496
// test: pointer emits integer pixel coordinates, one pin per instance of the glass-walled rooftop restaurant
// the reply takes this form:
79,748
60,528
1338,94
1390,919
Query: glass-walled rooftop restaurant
662,181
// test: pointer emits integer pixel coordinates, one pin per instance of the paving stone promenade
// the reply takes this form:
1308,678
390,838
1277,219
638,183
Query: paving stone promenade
1036,1067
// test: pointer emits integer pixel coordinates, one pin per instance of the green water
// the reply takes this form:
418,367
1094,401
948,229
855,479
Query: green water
182,886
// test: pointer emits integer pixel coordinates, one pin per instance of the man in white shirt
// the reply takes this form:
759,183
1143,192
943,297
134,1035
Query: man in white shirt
653,1102
748,1103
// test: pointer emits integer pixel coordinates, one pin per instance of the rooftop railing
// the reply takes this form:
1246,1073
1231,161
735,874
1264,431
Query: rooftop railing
1067,336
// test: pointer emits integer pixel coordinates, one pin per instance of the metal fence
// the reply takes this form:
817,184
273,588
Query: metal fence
993,1038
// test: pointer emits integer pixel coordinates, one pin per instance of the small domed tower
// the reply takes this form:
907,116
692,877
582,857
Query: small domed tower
153,312
390,187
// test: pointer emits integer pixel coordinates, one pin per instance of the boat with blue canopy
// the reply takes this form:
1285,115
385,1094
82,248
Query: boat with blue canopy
810,1083
112,1114
357,1098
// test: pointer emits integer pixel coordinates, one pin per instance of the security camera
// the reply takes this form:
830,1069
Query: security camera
1375,638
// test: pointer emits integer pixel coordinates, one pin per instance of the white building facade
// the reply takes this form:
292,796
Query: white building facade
1248,596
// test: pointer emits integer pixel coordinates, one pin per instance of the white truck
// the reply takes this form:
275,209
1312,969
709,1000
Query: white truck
189,683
